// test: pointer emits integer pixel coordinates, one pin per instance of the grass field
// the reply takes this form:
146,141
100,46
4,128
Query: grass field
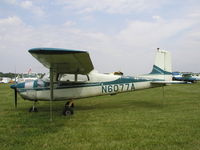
141,120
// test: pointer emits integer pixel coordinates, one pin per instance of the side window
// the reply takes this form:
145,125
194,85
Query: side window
82,78
66,77
73,78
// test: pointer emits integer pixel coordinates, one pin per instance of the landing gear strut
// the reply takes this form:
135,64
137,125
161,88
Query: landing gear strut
68,109
33,108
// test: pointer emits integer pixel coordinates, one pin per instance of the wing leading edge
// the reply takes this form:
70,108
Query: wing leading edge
64,60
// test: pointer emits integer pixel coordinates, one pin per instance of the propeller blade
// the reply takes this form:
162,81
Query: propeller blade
15,98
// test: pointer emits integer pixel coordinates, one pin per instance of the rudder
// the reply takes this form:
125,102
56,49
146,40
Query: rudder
162,65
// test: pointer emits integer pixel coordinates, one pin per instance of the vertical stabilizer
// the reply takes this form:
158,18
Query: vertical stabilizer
162,65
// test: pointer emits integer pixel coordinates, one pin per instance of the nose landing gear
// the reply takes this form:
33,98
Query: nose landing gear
33,108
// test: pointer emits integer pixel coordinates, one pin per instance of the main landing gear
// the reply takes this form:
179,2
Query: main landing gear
68,110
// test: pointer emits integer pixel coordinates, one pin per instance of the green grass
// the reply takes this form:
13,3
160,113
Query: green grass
141,120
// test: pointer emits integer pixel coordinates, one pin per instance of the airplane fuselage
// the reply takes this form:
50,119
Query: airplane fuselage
99,84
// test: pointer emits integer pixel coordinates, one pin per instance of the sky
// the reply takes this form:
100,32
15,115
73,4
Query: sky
120,35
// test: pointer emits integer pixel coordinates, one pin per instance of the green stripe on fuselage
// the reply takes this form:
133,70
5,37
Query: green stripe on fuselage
64,85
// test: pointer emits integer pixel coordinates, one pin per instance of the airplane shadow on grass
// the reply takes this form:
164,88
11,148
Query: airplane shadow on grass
57,108
100,104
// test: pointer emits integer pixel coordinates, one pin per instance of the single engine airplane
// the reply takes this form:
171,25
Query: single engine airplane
72,76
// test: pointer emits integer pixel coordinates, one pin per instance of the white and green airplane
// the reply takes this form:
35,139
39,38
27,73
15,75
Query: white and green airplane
72,76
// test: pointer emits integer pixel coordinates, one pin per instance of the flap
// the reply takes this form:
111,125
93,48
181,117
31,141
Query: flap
64,60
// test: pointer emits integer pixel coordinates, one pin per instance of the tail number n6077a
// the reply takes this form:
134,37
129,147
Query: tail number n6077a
113,88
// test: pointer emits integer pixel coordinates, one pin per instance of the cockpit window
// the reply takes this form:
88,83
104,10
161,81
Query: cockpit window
82,78
73,78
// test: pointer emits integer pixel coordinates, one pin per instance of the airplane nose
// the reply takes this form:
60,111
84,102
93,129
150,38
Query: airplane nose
13,86
19,85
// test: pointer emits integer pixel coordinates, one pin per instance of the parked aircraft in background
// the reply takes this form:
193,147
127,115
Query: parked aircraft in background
5,80
188,77
29,76
72,76
197,77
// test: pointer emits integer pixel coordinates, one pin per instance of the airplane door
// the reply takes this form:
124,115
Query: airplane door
31,93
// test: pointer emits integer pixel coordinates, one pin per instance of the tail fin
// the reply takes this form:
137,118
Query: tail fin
162,65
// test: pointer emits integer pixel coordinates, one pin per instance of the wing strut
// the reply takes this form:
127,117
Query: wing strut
51,93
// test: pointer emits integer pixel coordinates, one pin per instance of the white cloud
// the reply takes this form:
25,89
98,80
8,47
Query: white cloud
70,23
194,15
10,21
88,18
112,6
26,4
156,17
10,1
150,34
29,5
126,50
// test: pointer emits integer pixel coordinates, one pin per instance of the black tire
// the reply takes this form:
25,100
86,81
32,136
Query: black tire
68,111
31,109
35,110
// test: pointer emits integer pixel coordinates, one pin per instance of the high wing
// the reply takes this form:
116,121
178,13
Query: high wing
64,60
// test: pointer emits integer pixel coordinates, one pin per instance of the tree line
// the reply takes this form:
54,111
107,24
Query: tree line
9,75
13,75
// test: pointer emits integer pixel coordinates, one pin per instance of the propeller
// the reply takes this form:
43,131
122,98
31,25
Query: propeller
14,87
15,97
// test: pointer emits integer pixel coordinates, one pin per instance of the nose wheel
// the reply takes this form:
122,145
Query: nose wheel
68,109
33,108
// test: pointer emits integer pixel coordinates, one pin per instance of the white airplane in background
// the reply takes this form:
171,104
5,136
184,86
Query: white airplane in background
72,76
5,80
29,76
187,77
